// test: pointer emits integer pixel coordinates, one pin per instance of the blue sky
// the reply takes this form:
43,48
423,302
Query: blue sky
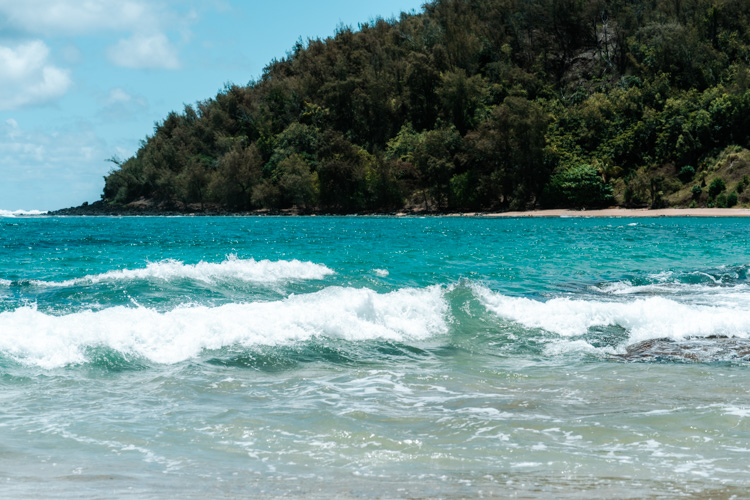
85,80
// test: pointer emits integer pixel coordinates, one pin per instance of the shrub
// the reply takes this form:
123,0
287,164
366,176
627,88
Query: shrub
696,191
686,174
717,186
732,199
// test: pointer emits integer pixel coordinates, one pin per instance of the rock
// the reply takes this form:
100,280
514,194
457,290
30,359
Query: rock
694,349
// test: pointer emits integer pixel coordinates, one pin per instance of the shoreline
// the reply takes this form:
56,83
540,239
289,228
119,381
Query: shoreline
100,210
629,213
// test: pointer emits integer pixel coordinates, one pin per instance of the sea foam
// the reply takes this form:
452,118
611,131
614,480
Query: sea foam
20,213
679,289
641,318
233,268
712,282
35,338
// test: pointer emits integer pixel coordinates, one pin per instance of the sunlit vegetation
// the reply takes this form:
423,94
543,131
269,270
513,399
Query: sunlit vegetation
474,105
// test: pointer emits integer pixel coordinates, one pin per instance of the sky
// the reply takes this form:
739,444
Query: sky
84,81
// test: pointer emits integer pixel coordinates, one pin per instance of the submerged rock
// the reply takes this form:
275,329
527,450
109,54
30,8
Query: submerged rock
695,349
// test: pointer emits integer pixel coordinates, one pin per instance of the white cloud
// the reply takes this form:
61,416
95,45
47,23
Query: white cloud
119,95
28,78
145,52
142,25
80,17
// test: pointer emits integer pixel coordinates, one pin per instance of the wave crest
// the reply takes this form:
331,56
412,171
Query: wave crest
34,338
233,268
21,213
642,319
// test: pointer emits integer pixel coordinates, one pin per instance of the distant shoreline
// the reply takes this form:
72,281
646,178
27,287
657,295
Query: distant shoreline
101,209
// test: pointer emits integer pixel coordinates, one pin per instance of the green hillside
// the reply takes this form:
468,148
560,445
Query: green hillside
473,105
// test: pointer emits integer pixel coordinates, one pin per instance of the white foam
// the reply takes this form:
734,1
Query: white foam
35,338
566,346
382,273
685,290
249,270
5,282
20,213
669,282
737,411
653,317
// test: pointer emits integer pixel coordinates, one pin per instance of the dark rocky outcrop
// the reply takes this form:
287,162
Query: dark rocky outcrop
102,208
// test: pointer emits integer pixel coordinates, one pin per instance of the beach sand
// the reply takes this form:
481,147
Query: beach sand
629,212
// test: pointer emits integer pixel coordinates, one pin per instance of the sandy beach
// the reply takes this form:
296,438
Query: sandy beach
629,212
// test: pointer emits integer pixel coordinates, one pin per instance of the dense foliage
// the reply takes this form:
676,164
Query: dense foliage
474,104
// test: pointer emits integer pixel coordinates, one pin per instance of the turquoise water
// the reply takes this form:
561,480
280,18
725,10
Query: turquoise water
373,357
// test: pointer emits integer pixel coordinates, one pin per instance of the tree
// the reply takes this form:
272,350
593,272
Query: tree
298,185
461,97
579,186
421,82
508,150
433,158
192,183
343,175
239,171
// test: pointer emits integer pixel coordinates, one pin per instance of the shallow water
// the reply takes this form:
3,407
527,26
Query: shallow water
373,357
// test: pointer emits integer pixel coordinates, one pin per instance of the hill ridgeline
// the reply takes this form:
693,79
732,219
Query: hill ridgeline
471,105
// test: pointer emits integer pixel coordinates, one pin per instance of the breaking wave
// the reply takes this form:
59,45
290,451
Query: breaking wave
469,312
38,339
643,318
233,268
21,213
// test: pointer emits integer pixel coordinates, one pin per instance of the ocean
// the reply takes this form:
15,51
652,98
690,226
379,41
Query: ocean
374,357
